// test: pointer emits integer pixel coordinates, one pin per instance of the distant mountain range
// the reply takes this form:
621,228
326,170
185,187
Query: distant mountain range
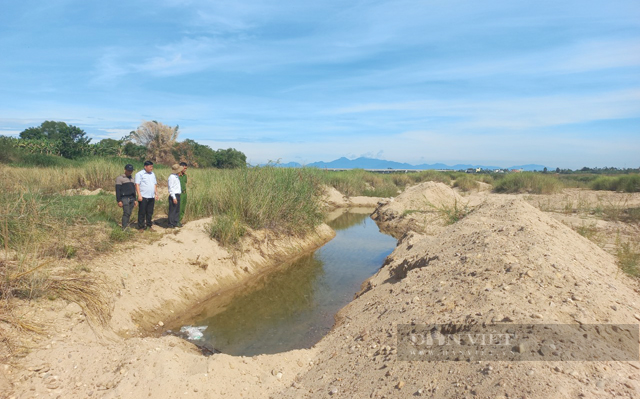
371,163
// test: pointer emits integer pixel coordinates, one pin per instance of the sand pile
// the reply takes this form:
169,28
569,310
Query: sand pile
506,262
421,208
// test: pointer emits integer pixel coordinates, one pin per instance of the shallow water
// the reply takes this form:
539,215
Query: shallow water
294,306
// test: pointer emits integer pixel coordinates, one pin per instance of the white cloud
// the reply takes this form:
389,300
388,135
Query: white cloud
519,112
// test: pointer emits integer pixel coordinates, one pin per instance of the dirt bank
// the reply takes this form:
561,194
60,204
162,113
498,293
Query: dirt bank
148,286
505,262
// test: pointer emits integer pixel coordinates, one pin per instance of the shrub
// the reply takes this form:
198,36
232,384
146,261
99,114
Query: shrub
466,182
628,258
431,175
625,183
528,182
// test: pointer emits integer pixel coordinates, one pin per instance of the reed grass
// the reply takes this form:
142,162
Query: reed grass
282,200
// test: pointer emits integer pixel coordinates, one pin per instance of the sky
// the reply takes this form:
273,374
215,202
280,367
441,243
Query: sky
500,83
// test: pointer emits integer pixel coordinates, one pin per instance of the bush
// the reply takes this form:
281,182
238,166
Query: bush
528,182
628,258
625,183
226,229
466,182
431,175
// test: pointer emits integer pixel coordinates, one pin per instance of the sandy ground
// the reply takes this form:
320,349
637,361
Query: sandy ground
506,261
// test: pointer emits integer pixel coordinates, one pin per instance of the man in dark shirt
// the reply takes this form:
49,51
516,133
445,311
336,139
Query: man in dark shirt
126,194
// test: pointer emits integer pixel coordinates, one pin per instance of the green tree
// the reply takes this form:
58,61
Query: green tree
71,141
195,154
109,147
230,158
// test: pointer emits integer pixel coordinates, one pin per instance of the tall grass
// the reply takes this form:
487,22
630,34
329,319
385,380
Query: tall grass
358,182
624,183
528,182
279,199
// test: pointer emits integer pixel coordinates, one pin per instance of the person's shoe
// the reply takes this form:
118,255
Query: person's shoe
179,225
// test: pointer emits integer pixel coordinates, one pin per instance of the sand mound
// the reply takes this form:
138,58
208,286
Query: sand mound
334,199
419,208
505,262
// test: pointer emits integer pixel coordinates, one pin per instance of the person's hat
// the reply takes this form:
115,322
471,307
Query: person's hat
176,168
128,167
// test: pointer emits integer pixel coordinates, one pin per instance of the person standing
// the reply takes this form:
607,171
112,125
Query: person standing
126,194
147,193
174,196
183,188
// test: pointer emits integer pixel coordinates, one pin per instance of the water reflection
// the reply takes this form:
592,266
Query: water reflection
294,306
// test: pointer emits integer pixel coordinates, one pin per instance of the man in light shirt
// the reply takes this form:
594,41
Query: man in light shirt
174,196
147,193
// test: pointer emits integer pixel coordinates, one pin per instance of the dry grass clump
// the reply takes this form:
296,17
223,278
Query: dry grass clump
44,281
49,281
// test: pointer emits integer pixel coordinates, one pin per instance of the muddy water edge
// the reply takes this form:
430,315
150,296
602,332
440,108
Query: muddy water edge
294,306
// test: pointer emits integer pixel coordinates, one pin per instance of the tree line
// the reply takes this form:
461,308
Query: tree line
151,140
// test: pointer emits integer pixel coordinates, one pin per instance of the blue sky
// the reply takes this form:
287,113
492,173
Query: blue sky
494,82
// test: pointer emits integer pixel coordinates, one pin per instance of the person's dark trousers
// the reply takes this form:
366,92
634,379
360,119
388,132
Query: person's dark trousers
174,212
145,212
128,203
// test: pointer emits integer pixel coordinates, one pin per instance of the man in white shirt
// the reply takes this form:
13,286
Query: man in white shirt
174,196
147,193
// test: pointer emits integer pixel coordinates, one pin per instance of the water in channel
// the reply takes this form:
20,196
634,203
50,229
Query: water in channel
294,306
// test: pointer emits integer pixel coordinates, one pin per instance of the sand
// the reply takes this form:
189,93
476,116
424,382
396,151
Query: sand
505,261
